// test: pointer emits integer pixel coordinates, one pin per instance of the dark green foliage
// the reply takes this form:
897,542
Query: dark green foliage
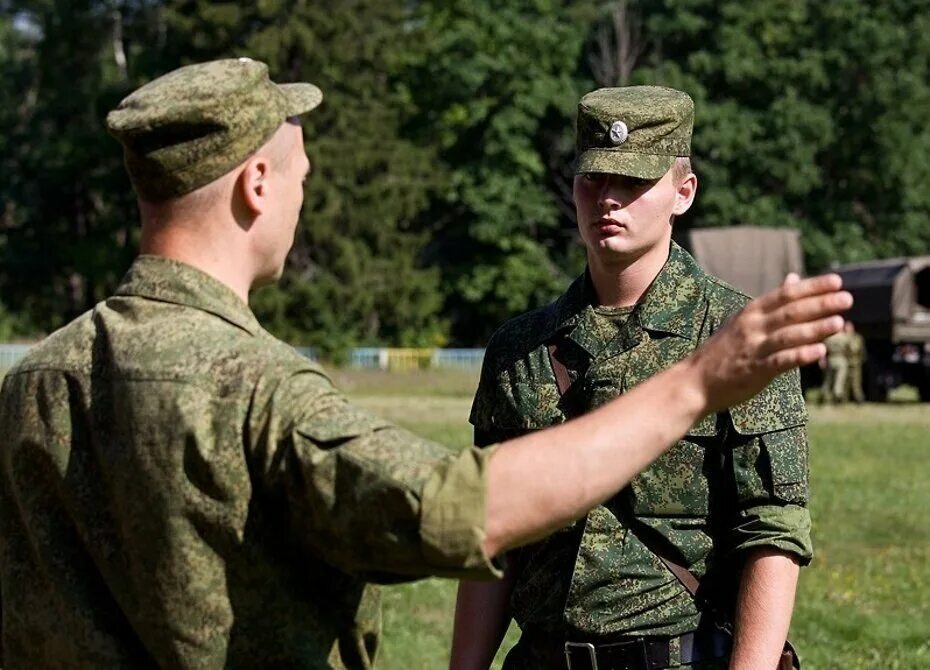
66,233
440,200
354,276
808,117
495,91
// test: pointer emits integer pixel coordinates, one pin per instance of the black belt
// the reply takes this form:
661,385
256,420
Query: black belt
646,653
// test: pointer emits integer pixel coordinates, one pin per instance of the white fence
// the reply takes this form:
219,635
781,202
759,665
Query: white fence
374,358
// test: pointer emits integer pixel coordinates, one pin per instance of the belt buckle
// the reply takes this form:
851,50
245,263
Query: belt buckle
592,653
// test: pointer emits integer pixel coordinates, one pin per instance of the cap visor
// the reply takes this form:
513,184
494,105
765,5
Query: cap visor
301,98
628,164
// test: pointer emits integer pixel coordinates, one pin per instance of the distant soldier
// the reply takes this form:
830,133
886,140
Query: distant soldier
855,359
836,370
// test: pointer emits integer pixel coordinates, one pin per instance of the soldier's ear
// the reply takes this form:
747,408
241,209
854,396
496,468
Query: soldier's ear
254,184
686,191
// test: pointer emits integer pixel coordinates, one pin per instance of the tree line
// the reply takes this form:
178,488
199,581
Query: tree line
440,201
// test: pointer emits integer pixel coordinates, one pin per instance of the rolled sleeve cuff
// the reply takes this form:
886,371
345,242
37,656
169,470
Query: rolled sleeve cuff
786,528
453,516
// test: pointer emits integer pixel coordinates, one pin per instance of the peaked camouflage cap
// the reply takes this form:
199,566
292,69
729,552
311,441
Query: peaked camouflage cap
636,131
193,125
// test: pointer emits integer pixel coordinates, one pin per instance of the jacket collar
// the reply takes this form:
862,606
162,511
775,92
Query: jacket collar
167,280
670,305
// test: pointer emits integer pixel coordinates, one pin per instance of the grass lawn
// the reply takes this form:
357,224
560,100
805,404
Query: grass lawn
863,603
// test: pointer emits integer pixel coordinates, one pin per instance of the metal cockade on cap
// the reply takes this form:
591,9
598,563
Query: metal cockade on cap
618,132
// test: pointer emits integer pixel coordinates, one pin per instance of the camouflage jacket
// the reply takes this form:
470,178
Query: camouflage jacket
181,490
737,480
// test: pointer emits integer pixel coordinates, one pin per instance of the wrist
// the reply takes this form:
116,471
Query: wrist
691,393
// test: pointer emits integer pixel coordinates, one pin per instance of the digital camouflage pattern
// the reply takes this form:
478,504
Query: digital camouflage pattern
179,489
193,125
738,480
636,131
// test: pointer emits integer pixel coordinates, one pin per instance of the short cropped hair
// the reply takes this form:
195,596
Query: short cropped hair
681,168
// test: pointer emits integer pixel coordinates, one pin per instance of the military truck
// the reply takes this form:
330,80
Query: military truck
892,298
892,313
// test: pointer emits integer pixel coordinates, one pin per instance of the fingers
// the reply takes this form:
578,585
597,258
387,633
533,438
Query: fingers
788,359
795,290
791,278
805,310
798,335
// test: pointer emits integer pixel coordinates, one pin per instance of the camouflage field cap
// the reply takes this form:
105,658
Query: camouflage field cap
636,131
195,124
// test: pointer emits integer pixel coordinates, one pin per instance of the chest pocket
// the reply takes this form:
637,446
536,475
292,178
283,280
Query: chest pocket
678,483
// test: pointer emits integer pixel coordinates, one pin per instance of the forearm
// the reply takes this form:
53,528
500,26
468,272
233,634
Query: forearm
577,465
481,619
763,609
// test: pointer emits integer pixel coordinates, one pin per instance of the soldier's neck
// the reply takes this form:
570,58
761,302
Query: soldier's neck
209,255
621,282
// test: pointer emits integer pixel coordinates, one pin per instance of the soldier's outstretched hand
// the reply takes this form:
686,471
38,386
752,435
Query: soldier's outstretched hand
778,331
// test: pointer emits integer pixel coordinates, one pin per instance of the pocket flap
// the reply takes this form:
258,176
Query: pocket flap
337,423
788,461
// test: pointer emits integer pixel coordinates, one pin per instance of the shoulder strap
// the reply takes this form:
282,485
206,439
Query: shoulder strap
562,378
685,576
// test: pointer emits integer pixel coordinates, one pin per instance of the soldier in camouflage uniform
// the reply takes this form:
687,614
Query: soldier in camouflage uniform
179,489
728,502
835,367
855,360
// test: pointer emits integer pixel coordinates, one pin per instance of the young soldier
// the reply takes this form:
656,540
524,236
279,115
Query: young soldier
727,504
178,489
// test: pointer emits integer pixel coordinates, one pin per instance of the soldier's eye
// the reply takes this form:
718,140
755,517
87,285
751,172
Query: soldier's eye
636,184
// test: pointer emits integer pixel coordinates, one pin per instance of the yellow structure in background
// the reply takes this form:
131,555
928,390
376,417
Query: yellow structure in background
406,359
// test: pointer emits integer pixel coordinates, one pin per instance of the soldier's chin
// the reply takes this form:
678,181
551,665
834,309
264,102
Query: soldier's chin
615,244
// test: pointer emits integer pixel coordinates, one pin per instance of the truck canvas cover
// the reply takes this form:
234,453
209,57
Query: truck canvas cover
892,297
750,258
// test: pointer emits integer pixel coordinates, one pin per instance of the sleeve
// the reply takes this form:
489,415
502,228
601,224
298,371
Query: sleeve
767,457
508,404
489,399
364,495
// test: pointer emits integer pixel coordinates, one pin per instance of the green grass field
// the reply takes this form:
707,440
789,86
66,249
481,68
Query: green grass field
863,603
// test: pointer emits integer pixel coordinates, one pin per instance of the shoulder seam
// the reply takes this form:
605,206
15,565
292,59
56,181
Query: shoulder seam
724,285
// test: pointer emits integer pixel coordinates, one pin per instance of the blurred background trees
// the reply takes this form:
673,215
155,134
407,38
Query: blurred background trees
440,198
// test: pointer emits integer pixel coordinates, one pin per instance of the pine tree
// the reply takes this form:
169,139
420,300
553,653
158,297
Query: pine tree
354,276
496,92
